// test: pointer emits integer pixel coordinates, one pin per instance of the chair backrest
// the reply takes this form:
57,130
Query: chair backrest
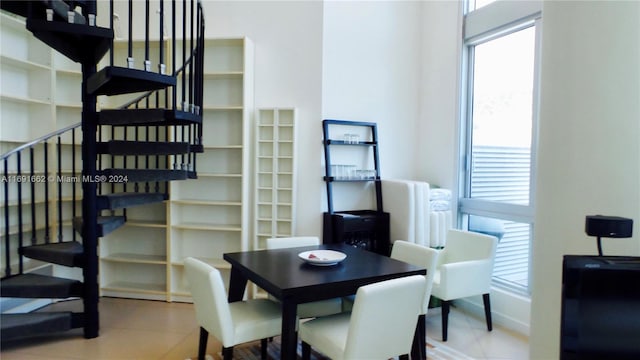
384,318
210,299
467,245
418,255
295,241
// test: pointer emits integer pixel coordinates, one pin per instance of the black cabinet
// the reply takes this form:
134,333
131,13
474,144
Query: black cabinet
367,229
600,307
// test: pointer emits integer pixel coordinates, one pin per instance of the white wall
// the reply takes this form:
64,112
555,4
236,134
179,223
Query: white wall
438,125
371,63
346,60
589,157
288,73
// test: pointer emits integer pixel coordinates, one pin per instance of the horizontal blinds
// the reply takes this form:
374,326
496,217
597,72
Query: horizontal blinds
512,256
502,174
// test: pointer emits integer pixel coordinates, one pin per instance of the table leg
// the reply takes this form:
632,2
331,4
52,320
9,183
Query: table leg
289,336
237,284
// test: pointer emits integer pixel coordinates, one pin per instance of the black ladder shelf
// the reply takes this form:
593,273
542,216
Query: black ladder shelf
367,229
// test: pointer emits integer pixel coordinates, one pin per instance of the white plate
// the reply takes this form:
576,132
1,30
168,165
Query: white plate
322,257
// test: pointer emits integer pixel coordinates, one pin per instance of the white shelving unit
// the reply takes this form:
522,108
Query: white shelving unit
67,103
39,93
27,85
275,170
206,217
210,216
134,259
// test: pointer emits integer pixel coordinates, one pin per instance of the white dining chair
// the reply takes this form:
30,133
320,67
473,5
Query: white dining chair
417,255
231,323
293,241
376,328
312,309
423,256
464,269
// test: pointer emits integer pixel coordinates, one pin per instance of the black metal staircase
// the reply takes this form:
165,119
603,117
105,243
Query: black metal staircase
128,154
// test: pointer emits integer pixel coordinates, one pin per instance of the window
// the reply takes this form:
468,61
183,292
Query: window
498,137
477,4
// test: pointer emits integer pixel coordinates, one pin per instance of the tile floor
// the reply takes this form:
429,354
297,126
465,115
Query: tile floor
140,330
468,334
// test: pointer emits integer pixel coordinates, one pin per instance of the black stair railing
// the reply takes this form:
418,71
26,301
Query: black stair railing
42,179
186,98
187,59
30,174
182,103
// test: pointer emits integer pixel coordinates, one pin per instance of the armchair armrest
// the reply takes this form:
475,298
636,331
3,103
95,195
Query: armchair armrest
462,279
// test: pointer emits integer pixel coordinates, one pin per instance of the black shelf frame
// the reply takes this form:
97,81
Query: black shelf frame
367,229
327,143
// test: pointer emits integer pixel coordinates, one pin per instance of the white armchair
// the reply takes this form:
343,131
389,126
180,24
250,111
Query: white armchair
231,323
464,269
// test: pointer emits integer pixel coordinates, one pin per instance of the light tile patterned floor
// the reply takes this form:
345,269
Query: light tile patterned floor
153,330
468,334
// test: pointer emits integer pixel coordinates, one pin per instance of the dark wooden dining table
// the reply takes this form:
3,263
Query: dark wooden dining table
292,281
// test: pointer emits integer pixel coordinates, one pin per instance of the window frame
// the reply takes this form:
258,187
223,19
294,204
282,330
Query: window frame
480,26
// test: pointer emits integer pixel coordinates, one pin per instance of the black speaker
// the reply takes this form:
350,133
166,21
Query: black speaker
608,226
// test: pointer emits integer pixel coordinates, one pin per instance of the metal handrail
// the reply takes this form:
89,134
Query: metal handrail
39,140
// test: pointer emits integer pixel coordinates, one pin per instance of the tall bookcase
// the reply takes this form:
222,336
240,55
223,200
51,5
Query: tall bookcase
210,216
204,217
39,93
27,85
134,258
275,169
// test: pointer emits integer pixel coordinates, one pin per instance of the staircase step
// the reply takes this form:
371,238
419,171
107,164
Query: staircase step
40,286
114,80
39,9
122,200
21,7
150,117
78,42
19,326
106,224
68,253
144,175
121,147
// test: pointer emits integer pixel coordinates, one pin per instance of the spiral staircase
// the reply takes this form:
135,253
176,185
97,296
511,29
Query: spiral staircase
128,154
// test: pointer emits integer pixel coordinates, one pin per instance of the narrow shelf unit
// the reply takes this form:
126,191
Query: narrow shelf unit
275,170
